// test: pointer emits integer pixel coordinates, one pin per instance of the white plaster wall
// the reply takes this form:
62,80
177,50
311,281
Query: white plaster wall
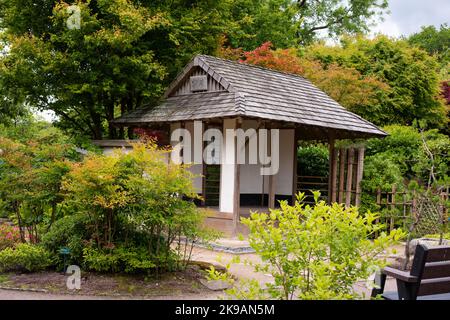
251,181
284,178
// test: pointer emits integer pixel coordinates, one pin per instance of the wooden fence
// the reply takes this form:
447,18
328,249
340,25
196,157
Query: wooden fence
401,208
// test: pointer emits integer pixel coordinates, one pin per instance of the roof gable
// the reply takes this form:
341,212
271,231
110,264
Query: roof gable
197,67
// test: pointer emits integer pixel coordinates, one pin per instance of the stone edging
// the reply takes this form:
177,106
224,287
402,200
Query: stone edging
226,249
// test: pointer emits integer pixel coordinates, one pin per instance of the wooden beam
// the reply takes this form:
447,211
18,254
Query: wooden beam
332,171
359,175
348,191
237,183
204,128
294,167
342,160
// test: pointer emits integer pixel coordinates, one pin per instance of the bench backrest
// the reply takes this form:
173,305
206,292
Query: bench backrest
432,267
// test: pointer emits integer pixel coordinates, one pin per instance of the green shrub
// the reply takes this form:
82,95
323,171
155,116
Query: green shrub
133,200
313,160
24,257
316,252
120,259
71,232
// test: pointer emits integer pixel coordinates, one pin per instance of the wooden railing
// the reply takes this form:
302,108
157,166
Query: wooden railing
306,184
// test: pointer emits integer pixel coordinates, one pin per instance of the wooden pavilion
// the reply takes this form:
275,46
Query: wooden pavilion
224,94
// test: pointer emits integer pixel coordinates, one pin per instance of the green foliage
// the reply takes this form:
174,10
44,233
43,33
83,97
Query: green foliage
126,51
417,153
137,201
121,259
116,61
69,231
288,23
381,171
436,42
313,160
411,74
24,257
402,147
31,171
214,275
317,252
125,212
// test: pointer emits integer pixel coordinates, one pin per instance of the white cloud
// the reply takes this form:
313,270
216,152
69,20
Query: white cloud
408,16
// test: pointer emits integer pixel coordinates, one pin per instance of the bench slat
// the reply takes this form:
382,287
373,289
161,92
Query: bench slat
434,286
436,254
436,270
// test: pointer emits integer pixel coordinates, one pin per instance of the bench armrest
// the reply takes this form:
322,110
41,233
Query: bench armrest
400,275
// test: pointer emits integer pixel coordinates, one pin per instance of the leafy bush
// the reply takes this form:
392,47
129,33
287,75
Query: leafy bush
381,171
402,147
414,152
24,257
9,236
121,259
71,232
316,252
313,160
133,200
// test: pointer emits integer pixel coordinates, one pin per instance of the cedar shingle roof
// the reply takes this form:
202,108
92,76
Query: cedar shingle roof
251,91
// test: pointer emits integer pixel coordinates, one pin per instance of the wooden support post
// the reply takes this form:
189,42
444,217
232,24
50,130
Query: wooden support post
237,183
332,167
295,168
391,222
348,191
342,160
204,128
359,175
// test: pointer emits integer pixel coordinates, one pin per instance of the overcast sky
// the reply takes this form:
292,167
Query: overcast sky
407,16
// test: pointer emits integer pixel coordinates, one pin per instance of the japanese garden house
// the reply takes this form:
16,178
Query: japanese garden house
224,95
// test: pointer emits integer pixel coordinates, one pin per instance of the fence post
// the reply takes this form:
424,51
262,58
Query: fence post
394,189
342,160
348,191
359,175
443,210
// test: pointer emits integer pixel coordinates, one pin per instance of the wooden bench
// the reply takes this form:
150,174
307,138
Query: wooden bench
429,278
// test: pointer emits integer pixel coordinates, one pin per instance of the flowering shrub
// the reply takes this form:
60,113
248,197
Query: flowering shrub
9,236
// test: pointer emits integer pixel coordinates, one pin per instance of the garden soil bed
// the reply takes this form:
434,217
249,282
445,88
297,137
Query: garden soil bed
183,284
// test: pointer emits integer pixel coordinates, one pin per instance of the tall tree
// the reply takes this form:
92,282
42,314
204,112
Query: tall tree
117,58
436,42
290,23
411,73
